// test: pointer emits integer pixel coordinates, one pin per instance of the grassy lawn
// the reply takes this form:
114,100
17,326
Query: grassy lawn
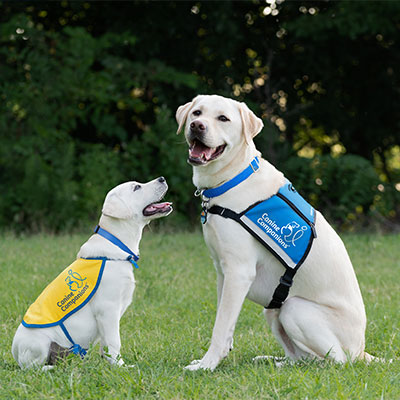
170,321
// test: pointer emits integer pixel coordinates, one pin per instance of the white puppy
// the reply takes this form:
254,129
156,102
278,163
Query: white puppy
324,313
88,311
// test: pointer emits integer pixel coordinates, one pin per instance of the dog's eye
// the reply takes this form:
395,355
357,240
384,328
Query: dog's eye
223,118
137,187
196,113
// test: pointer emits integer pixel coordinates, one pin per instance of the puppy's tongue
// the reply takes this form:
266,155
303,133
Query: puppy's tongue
200,150
157,208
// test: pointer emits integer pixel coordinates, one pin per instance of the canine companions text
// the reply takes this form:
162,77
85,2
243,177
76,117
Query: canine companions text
323,312
85,303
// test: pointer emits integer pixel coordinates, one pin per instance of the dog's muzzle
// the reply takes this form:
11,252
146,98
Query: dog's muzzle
197,130
201,153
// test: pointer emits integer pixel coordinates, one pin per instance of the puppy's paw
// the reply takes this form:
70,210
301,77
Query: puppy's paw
278,361
198,366
120,362
46,368
194,362
193,366
206,363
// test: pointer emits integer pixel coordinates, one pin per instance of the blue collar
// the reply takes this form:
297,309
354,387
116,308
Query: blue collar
114,240
242,176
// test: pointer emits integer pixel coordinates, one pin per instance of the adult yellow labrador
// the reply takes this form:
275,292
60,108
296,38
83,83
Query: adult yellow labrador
323,314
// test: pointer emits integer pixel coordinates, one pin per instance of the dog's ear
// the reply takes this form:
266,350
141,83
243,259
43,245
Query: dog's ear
181,115
252,125
115,207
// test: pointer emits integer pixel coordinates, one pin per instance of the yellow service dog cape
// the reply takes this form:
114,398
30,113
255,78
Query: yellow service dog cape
67,294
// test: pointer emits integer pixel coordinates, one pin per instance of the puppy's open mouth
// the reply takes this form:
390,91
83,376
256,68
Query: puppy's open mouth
200,154
157,208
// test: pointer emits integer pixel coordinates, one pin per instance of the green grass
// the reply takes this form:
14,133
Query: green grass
170,321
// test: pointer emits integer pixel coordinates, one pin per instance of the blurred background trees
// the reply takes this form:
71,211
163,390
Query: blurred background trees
89,90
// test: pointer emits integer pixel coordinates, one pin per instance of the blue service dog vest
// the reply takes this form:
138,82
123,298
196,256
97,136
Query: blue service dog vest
71,290
285,225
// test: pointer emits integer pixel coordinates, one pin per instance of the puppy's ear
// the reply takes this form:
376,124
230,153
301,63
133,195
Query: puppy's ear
181,115
252,125
115,207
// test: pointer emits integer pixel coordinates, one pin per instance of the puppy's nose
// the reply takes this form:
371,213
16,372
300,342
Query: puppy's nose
161,179
198,126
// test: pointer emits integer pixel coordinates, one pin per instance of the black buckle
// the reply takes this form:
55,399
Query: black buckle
285,281
96,229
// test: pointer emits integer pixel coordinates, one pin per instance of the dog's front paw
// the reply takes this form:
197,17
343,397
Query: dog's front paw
46,368
193,366
278,361
120,362
199,364
194,362
208,362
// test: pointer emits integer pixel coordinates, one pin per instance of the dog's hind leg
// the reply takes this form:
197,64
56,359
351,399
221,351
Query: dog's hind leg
310,330
56,352
29,352
291,350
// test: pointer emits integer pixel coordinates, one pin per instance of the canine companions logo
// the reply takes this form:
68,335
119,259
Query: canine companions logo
285,235
72,288
283,223
74,278
74,281
293,232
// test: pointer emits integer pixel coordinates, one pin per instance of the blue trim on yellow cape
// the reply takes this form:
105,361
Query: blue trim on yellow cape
104,259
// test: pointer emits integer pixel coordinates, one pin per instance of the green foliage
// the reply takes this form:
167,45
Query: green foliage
80,119
348,19
89,91
160,149
342,188
99,170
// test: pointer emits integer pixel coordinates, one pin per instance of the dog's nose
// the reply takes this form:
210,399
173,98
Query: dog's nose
161,179
197,126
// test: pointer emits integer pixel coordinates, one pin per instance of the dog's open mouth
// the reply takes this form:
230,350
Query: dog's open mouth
201,154
157,208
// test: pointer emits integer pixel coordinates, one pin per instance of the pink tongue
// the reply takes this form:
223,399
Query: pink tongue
157,206
200,150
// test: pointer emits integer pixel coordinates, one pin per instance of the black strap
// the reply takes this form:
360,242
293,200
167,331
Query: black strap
224,212
286,280
282,290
